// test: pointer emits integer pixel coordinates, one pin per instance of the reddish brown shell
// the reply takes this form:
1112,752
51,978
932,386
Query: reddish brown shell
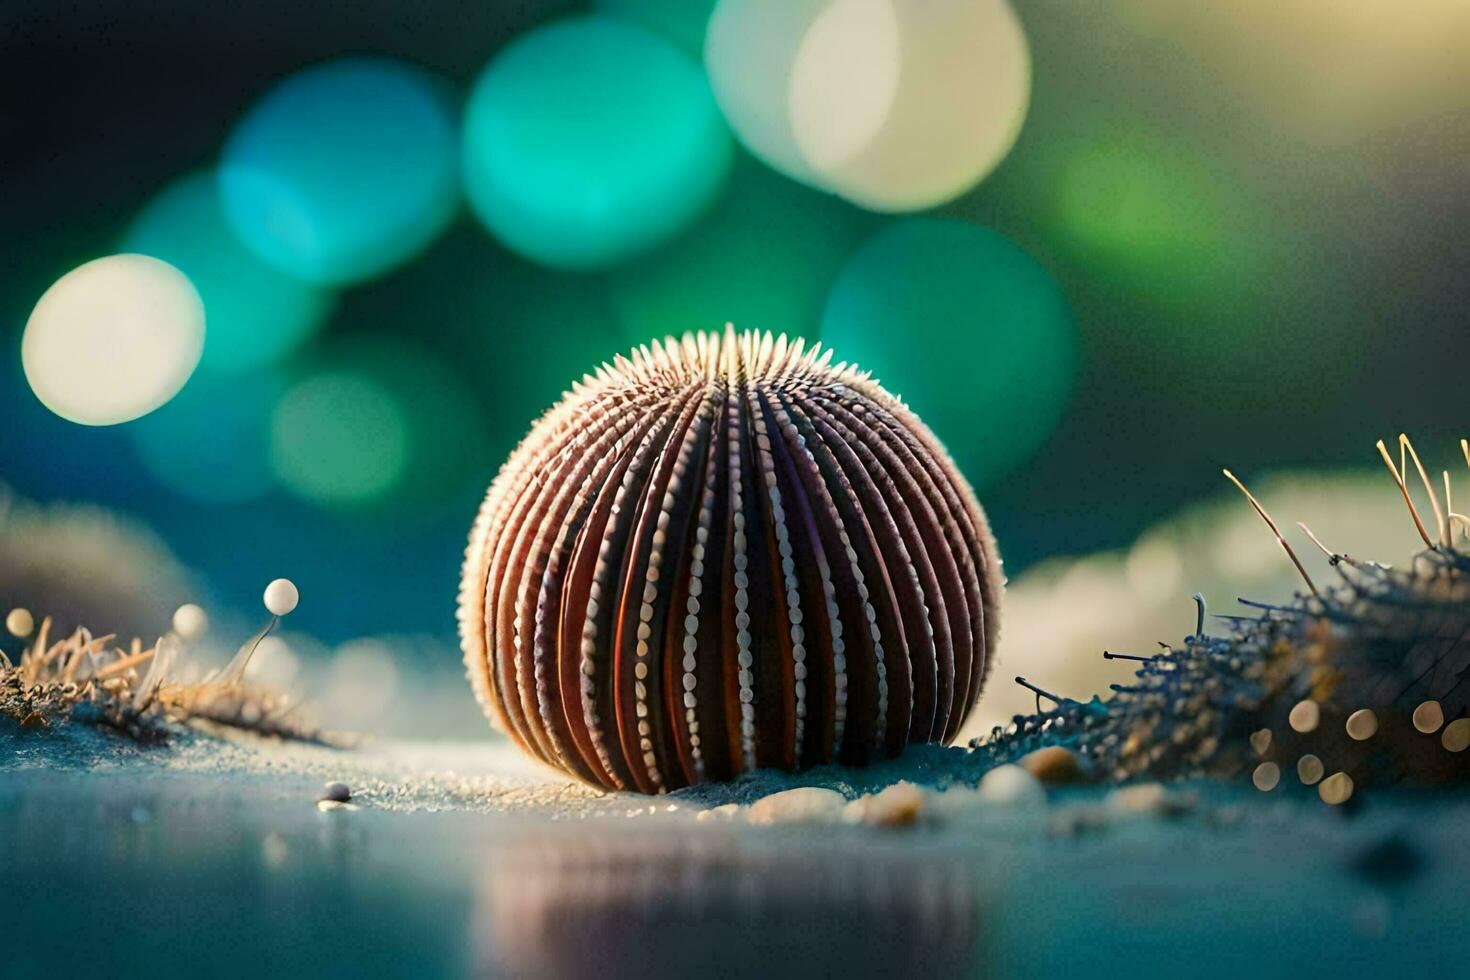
725,554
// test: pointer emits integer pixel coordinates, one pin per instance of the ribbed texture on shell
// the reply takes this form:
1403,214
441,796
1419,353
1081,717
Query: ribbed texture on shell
725,554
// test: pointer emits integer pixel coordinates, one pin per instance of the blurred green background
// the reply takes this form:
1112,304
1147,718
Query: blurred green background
1224,237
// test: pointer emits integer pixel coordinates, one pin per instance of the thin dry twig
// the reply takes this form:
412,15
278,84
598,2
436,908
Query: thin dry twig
1398,477
1274,530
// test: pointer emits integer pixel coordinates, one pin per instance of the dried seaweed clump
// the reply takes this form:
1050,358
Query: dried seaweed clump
136,692
1365,681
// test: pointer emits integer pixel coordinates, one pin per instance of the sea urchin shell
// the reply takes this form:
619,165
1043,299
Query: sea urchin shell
725,554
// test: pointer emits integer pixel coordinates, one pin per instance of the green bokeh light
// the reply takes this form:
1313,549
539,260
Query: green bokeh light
764,259
1122,197
1198,286
343,170
966,328
253,313
339,438
1153,219
211,443
592,140
378,420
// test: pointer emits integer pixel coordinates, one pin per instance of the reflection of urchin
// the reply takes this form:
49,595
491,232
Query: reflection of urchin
550,906
725,554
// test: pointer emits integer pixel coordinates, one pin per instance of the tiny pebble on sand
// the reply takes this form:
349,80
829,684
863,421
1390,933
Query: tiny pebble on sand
336,792
899,805
1011,786
1053,765
804,805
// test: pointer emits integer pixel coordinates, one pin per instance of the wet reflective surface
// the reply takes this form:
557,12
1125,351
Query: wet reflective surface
703,904
180,874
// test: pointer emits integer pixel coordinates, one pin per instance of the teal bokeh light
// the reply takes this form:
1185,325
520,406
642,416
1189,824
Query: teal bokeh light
211,443
966,328
343,170
253,312
340,439
590,141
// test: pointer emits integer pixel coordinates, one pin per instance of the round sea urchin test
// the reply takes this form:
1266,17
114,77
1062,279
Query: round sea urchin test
724,554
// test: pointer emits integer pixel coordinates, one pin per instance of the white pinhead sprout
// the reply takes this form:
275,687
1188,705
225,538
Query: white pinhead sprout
190,621
281,596
20,622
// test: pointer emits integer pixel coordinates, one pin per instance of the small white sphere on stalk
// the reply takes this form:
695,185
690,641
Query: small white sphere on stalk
190,621
281,596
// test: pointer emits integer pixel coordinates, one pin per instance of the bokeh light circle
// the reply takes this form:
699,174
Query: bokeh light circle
343,170
339,438
255,312
212,442
895,106
592,140
967,328
377,420
113,339
1147,214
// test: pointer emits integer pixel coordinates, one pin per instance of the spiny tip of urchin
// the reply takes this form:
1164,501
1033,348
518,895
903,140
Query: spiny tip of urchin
756,356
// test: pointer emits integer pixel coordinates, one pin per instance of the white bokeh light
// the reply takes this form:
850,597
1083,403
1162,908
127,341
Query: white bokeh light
113,339
895,106
844,81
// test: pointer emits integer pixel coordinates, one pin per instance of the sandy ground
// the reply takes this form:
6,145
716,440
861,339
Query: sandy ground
211,858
